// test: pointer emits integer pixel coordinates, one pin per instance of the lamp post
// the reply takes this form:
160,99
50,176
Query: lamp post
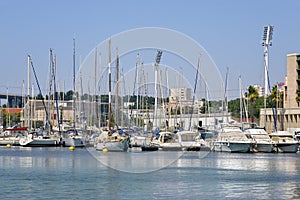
156,64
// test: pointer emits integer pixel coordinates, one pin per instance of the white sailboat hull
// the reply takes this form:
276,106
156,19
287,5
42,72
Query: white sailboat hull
38,142
9,140
73,141
112,146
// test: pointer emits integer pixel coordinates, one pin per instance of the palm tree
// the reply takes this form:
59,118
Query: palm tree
251,94
277,97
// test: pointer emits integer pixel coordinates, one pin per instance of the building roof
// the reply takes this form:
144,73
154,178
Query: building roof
293,54
12,110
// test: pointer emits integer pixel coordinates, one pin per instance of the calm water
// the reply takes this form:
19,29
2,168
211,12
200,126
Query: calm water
52,173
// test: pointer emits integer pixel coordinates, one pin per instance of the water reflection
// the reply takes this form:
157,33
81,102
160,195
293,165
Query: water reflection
45,158
136,162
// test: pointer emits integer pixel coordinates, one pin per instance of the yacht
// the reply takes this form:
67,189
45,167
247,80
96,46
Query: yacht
138,143
179,141
261,140
166,141
231,139
284,142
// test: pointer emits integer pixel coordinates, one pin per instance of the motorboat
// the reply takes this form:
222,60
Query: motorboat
231,139
139,143
191,141
284,142
179,141
261,140
166,141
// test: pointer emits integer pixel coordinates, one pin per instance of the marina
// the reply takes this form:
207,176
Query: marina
149,100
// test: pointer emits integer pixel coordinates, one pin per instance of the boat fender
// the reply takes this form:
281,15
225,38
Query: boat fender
104,150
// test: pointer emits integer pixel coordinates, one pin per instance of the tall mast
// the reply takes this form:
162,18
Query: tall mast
137,82
44,105
241,96
117,88
94,99
28,91
23,101
55,94
109,85
225,107
195,87
74,93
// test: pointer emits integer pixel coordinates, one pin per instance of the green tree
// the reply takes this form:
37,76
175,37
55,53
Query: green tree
234,107
298,97
69,95
252,95
276,96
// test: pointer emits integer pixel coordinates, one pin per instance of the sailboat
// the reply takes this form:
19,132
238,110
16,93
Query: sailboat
140,138
39,137
111,139
182,140
72,138
12,135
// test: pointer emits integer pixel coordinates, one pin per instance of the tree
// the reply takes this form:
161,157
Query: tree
298,97
276,96
234,107
252,95
69,95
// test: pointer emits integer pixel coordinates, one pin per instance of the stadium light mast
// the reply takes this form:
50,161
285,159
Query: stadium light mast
156,65
267,41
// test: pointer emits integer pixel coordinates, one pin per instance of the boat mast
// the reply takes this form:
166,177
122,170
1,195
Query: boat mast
117,89
168,96
28,92
7,105
44,105
94,98
23,101
74,93
137,86
241,106
195,87
53,63
225,106
109,85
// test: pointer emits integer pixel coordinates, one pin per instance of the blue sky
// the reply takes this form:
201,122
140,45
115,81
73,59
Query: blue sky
230,31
